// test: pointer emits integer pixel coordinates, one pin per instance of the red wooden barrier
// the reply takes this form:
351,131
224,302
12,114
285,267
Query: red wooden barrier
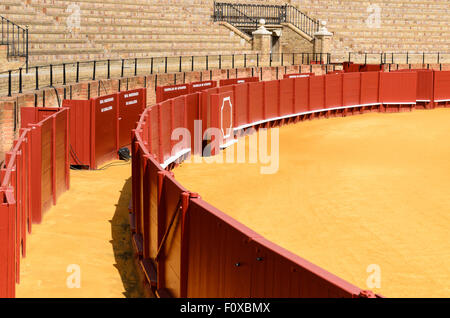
317,92
333,91
287,96
164,93
102,125
233,81
298,75
35,173
351,89
200,86
442,88
398,90
271,99
301,92
131,105
256,102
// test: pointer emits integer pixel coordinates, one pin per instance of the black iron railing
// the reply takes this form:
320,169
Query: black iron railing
15,38
246,16
38,77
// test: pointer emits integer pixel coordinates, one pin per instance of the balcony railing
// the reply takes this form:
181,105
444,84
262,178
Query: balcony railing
15,38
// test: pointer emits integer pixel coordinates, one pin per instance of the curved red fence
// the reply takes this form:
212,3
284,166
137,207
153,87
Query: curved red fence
34,175
188,248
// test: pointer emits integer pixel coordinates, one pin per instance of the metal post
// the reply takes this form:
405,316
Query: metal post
123,66
37,78
192,66
78,72
180,64
109,69
20,80
165,65
51,75
9,83
93,70
26,59
135,66
64,73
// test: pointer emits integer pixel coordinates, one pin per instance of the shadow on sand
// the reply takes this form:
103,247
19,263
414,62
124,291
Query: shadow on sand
123,246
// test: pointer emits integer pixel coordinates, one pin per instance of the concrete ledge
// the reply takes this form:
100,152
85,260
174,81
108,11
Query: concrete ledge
298,31
236,31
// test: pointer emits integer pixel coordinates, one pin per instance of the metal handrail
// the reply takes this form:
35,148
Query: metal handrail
273,14
15,38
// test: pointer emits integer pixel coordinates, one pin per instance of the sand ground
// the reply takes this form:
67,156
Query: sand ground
349,193
88,228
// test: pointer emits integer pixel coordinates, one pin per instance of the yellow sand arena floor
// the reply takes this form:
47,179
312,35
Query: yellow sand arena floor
350,192
88,228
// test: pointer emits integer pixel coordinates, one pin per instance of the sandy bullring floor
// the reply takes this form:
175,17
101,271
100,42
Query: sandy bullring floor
88,228
351,192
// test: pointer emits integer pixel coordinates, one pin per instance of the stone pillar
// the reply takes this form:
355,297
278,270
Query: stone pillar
262,41
322,42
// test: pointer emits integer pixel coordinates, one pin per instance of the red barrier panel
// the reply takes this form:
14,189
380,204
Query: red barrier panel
205,99
169,259
351,67
131,105
193,118
200,86
271,99
33,115
154,133
221,116
370,88
442,86
104,129
241,100
301,92
165,116
255,102
351,89
287,96
164,93
333,90
80,131
298,75
232,81
316,92
398,88
7,243
371,68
